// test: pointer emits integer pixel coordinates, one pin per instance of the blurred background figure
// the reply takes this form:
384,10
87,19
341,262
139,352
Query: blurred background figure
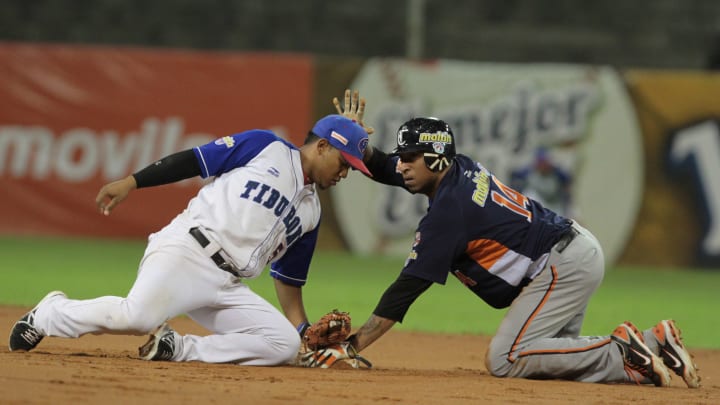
545,182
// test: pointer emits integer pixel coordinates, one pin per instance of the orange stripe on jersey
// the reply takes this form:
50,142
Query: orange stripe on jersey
520,335
485,252
566,351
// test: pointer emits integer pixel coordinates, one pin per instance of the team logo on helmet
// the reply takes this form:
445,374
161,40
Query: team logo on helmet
439,136
438,147
401,135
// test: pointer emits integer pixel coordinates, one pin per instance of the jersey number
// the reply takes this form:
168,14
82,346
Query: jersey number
511,199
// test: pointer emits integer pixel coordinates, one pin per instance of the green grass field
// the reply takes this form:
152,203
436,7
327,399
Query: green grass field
82,268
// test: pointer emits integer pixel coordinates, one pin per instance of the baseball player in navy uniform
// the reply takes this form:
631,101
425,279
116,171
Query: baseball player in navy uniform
261,208
511,252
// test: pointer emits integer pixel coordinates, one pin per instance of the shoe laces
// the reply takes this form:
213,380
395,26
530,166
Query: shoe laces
31,335
166,347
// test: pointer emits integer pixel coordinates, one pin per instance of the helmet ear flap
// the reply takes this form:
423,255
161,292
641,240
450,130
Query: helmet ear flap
436,162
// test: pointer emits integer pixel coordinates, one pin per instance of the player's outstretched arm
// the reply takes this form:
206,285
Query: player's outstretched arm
371,331
178,166
391,308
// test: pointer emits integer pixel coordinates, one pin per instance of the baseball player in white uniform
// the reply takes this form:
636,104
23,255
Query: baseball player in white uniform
262,208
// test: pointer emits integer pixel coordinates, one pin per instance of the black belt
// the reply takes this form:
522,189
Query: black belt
566,239
216,257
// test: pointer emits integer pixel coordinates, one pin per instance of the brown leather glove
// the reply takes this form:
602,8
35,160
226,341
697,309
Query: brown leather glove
332,328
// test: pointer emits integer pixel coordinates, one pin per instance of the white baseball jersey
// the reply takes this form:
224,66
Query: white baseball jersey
258,209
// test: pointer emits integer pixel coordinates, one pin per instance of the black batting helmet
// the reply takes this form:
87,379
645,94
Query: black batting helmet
431,136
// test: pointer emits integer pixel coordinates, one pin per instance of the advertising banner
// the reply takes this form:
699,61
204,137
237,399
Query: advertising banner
75,118
679,222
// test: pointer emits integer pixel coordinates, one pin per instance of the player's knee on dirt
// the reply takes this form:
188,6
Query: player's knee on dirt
496,359
283,350
289,354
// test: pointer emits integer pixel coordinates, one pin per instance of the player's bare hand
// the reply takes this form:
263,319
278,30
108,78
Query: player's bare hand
112,194
353,108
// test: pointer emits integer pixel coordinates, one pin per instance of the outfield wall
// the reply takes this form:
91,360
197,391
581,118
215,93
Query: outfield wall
643,147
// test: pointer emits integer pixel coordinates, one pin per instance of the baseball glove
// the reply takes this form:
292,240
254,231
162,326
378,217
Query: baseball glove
336,356
331,329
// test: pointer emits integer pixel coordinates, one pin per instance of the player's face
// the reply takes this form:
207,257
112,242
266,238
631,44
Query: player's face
331,169
418,178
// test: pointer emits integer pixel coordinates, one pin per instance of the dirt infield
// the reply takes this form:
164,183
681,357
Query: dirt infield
410,368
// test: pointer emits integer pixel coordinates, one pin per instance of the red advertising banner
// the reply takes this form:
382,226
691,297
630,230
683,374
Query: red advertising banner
73,118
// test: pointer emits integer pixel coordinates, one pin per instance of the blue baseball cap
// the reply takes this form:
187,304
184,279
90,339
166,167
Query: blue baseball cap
347,136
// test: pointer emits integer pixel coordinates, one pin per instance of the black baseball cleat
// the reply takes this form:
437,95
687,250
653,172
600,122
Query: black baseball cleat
638,358
24,336
160,346
674,354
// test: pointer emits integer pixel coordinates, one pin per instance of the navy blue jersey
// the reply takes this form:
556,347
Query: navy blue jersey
492,238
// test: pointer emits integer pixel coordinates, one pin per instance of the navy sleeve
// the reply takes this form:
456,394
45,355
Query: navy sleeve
293,267
230,152
384,168
439,239
397,299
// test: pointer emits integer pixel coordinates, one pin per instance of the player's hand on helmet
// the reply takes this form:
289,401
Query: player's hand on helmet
353,108
112,194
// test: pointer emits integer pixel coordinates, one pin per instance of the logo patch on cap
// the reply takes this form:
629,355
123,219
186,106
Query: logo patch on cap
363,145
339,137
